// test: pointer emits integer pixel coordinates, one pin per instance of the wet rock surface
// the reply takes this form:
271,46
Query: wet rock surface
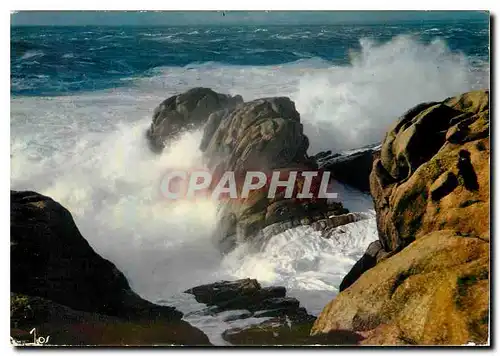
263,135
248,294
284,321
64,326
57,277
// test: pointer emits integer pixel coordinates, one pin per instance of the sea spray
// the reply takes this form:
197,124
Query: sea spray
345,107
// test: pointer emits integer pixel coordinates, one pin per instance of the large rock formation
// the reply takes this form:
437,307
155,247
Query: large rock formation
60,325
262,135
433,172
427,279
186,111
57,278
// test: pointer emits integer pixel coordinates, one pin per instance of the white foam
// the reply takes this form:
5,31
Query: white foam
343,107
348,107
32,54
305,262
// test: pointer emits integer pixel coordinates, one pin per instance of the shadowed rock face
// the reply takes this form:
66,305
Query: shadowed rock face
186,111
55,271
426,281
261,135
352,168
422,179
70,327
247,294
285,322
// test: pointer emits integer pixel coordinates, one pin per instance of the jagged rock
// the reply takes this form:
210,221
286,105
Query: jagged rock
352,168
243,294
186,111
429,284
285,322
262,135
247,294
373,254
338,220
52,261
61,325
287,332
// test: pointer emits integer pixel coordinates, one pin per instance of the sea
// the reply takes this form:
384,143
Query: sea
83,97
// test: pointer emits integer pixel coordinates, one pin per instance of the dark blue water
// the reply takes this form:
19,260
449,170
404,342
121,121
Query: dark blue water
63,60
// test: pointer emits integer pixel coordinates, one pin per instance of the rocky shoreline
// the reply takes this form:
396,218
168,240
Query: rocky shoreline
424,282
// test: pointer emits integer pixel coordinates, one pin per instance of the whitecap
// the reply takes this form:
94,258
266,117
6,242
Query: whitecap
32,54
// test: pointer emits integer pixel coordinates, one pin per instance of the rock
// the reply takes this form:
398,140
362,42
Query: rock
186,111
243,294
262,135
52,261
338,220
323,221
66,326
374,253
350,168
247,294
433,292
283,332
443,186
413,183
426,281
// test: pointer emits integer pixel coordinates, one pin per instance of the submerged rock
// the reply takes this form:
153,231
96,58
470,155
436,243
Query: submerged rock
186,111
55,271
426,281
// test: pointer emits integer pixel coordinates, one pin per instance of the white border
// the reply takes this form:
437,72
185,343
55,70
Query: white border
254,5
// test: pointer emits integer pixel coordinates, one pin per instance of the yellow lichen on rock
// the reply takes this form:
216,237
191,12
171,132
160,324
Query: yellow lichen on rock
434,291
431,192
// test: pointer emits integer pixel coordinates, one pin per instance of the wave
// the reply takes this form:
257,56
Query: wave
349,106
343,106
25,46
168,38
32,54
302,260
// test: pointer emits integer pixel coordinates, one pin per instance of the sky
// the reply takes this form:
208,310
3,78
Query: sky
174,18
